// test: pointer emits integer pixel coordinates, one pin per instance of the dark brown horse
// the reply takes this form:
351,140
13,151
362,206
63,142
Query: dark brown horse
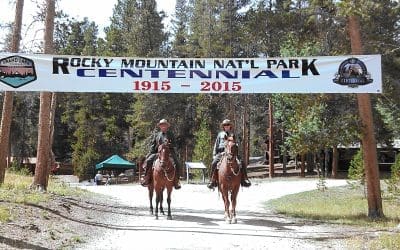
163,177
229,175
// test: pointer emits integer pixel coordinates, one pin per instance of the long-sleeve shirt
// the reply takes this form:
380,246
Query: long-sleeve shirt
219,145
159,138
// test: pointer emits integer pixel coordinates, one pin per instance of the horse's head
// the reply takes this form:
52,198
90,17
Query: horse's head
231,148
164,151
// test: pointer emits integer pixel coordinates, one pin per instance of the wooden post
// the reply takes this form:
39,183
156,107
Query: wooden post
284,152
246,132
271,140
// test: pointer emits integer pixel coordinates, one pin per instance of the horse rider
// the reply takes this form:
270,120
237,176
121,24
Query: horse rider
163,135
219,148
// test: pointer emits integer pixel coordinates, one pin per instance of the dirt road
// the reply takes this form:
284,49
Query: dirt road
198,220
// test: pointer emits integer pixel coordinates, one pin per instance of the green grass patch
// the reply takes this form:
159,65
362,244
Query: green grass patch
330,205
336,205
342,205
16,189
384,241
62,189
4,214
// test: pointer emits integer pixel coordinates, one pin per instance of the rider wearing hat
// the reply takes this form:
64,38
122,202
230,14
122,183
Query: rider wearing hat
219,148
160,137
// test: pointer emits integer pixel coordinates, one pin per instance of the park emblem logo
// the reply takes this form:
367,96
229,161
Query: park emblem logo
16,71
353,73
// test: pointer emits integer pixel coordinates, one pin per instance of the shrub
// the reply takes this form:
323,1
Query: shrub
357,171
17,168
394,181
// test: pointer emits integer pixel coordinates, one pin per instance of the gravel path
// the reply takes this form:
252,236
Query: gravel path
198,220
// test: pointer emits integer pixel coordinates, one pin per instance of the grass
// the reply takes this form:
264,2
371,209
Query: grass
4,214
342,205
16,189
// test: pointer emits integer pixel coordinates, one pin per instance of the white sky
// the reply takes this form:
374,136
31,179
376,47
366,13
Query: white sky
96,10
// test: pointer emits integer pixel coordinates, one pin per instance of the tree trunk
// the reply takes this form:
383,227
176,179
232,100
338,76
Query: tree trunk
52,159
335,163
5,132
43,148
6,116
44,134
368,138
303,166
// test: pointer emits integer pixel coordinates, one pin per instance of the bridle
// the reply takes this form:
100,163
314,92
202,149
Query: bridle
230,152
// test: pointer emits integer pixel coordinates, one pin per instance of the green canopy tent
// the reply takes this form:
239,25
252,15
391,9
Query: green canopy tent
115,162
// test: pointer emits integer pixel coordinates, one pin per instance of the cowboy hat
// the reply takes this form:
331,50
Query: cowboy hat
226,122
163,121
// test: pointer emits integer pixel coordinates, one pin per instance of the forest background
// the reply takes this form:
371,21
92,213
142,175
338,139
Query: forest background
90,127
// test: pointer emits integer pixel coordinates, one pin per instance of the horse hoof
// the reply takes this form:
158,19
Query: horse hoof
234,221
169,217
156,217
228,221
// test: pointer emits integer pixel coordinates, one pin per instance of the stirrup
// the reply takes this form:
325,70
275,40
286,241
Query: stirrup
212,185
177,185
245,183
144,182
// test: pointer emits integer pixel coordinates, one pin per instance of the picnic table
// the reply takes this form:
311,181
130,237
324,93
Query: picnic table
195,165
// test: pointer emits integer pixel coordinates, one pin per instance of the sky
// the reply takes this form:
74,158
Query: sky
96,10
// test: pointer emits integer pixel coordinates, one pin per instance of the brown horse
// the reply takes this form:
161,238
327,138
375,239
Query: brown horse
163,177
229,176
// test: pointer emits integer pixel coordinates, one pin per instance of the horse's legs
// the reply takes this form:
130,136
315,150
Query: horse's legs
225,197
161,202
158,199
169,191
233,199
151,191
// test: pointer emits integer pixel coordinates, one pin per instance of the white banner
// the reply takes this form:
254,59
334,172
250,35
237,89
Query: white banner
59,73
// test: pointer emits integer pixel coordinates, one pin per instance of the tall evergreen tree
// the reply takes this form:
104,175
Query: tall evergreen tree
6,116
183,12
43,162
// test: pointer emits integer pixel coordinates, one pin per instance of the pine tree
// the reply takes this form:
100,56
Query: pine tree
6,115
203,141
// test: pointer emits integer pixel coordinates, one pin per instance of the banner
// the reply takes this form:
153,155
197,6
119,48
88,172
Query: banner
59,73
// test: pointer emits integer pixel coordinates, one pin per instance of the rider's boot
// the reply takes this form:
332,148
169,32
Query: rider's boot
177,184
147,177
214,176
244,181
